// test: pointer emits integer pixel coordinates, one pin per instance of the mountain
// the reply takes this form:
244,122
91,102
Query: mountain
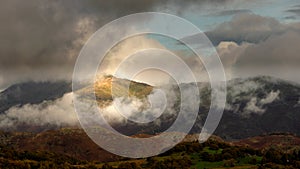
255,106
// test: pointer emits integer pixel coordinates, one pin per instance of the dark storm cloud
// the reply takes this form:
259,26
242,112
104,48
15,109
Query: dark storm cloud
40,40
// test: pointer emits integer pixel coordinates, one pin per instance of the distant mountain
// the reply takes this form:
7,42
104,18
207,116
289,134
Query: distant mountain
32,93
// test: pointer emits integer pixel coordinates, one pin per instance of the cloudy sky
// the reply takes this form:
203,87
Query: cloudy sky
40,40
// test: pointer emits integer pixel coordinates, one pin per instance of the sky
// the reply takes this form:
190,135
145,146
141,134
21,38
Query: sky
41,40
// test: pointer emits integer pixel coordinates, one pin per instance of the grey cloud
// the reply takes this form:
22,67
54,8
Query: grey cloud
180,7
279,52
277,56
290,17
296,6
295,11
246,27
252,45
231,12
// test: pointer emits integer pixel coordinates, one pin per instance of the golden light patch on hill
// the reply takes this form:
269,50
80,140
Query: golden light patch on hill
106,87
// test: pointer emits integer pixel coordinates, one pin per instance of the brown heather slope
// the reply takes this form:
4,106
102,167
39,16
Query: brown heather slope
285,142
74,142
71,142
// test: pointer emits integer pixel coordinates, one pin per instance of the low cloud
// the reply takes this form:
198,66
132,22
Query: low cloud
256,105
271,97
252,107
61,112
142,110
55,113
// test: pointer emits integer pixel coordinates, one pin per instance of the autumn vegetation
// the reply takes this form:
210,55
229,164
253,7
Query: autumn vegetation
214,153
